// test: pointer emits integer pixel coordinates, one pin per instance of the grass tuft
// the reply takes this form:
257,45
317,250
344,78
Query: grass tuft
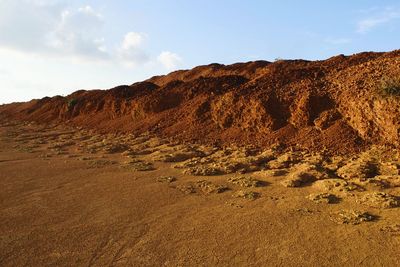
390,86
71,103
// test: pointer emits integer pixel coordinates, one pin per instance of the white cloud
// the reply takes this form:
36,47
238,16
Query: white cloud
133,40
23,23
88,10
53,28
3,72
50,27
169,60
131,50
377,19
78,33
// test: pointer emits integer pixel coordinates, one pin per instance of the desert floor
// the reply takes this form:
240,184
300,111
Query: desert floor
71,197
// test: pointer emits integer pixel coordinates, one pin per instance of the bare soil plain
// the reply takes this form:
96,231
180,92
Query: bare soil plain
286,163
74,197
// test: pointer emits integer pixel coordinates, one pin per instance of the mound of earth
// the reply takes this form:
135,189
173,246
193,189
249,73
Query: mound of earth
332,104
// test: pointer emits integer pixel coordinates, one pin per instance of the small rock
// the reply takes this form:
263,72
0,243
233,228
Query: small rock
202,186
337,185
250,195
138,165
100,163
203,171
358,169
298,179
245,181
323,198
380,200
285,160
187,188
352,217
209,187
178,156
291,183
115,148
166,179
271,173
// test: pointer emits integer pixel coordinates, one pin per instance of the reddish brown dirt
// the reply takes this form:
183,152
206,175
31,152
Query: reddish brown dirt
330,104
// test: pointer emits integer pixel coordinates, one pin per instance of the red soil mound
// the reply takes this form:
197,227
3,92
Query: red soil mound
330,104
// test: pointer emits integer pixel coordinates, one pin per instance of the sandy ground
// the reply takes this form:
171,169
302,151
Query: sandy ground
66,202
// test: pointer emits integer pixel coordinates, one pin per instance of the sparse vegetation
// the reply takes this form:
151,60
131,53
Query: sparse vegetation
390,86
71,103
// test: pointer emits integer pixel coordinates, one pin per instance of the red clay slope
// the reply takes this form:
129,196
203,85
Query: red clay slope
329,104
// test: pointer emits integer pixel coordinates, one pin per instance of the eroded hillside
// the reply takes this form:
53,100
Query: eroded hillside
330,104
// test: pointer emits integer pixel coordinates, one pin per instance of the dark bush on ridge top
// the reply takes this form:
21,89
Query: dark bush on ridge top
72,102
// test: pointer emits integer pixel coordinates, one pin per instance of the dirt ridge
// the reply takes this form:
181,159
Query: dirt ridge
330,104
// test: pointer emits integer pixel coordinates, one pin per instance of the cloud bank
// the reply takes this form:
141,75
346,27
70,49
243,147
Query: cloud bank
377,18
53,28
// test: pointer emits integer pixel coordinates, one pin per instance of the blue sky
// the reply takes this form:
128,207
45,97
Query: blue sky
57,47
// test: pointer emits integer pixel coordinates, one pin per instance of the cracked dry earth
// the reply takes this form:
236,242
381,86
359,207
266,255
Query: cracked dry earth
72,197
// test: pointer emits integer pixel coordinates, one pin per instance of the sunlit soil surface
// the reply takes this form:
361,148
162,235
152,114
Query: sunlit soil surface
72,197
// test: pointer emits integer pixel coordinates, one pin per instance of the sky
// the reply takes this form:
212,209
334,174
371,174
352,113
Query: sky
55,47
